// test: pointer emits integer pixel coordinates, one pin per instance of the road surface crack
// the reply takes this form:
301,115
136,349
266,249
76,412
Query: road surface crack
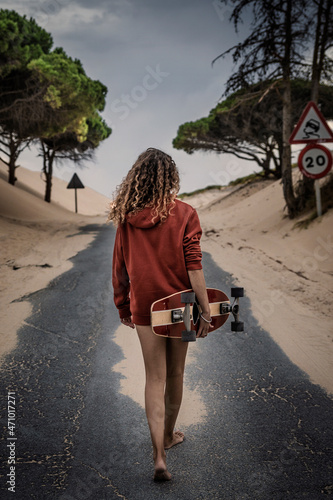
48,332
105,478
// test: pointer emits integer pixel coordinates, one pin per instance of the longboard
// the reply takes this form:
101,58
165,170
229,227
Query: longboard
168,315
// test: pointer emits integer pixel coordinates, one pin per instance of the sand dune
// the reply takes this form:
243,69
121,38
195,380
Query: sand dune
286,272
89,201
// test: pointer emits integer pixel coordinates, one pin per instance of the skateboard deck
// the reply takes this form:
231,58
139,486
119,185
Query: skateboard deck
166,314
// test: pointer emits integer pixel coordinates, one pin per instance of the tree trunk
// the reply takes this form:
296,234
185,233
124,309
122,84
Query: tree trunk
11,171
326,39
48,158
287,181
265,165
306,188
316,70
277,165
13,155
278,160
321,45
48,181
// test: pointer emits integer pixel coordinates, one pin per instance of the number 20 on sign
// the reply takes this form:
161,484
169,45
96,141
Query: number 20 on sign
315,161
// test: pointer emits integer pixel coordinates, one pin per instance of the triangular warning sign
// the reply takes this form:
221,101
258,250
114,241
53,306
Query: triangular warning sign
311,127
75,183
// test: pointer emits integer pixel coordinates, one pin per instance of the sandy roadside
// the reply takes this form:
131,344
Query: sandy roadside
34,254
37,240
287,273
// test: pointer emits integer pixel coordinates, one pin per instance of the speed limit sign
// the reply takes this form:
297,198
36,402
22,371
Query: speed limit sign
315,161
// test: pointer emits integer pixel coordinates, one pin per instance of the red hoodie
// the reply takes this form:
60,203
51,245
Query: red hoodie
150,259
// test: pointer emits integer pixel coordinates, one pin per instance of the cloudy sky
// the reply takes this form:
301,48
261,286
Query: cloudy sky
155,58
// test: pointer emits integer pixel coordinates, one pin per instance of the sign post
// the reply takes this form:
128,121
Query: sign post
75,183
314,161
318,197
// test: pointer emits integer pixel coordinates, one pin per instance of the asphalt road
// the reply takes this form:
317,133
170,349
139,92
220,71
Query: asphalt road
268,434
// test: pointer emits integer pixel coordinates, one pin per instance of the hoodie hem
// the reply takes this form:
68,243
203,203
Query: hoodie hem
141,320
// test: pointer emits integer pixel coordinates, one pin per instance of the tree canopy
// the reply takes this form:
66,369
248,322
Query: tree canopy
283,34
69,95
69,125
45,97
21,40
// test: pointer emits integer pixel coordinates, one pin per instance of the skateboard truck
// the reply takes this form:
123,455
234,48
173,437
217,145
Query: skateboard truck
236,325
184,315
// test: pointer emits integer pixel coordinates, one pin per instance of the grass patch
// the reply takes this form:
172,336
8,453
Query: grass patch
199,191
247,178
326,194
305,223
237,182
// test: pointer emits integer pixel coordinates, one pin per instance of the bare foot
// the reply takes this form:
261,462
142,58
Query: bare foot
161,472
177,438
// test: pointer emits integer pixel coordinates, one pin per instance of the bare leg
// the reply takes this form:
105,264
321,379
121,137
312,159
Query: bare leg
176,351
154,355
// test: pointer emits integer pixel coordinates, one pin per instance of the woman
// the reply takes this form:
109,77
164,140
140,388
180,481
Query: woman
157,253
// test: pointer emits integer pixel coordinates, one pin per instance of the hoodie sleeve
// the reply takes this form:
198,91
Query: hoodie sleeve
191,242
120,279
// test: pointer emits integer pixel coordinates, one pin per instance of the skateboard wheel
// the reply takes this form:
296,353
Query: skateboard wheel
237,292
237,326
190,336
187,297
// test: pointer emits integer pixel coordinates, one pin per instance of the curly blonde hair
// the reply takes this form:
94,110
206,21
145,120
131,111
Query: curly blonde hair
153,181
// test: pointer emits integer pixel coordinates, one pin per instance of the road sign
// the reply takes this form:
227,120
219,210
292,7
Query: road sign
311,127
75,183
315,161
